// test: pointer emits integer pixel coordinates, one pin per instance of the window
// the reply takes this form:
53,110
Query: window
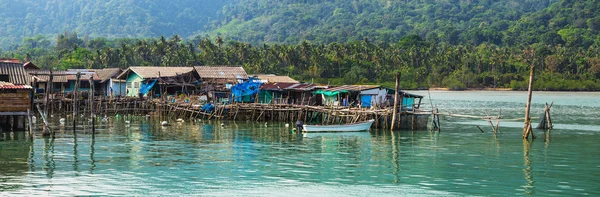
128,84
136,85
4,78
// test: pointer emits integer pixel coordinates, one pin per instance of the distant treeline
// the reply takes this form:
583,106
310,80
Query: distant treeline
422,64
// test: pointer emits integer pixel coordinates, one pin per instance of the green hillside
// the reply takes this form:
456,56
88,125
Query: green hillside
102,18
325,21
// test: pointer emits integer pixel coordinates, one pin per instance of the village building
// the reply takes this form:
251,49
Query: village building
143,80
84,79
109,85
40,78
271,78
287,93
217,81
348,95
15,95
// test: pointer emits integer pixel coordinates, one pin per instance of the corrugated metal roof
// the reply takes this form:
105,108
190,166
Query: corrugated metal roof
10,60
221,72
83,76
351,88
29,65
59,76
151,72
16,73
7,85
287,86
275,79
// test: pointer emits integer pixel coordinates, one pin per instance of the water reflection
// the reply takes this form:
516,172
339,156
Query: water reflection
48,156
529,187
147,159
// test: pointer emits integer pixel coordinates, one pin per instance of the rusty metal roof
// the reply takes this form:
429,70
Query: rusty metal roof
59,76
16,73
29,65
287,86
275,79
221,72
351,88
151,72
10,60
107,73
7,85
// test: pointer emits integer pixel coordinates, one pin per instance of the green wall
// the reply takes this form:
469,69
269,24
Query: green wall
132,89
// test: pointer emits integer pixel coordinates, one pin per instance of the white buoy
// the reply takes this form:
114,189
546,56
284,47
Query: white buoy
62,120
222,124
164,123
180,120
287,125
127,122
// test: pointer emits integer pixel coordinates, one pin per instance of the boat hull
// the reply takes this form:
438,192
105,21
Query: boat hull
362,126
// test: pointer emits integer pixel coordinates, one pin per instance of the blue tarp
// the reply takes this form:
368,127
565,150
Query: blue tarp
146,87
365,100
208,108
245,92
408,102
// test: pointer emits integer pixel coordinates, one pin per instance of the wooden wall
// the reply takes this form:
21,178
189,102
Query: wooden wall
14,100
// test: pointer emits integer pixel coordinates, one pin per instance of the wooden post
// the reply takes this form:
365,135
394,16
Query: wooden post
162,96
75,100
92,116
527,125
395,110
46,101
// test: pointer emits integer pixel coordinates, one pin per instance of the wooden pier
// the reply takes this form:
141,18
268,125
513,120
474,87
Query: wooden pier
189,111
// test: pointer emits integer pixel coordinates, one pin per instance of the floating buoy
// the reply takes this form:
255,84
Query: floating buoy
62,120
127,122
287,125
222,124
180,120
164,123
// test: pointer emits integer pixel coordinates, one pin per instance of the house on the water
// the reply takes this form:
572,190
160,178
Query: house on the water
145,79
40,78
109,85
271,78
216,81
84,80
290,93
15,95
367,96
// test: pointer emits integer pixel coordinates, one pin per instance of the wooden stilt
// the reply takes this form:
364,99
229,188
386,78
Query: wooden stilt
92,115
76,100
527,125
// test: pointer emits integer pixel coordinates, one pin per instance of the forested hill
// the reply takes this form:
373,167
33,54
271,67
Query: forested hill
325,21
104,18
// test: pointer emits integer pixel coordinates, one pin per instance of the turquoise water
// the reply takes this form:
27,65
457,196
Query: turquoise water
251,159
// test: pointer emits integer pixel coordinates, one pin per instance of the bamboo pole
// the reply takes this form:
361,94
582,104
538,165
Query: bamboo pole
527,124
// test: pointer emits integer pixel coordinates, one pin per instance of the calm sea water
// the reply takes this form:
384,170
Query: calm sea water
251,159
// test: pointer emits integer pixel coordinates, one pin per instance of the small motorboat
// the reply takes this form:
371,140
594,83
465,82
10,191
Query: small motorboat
359,126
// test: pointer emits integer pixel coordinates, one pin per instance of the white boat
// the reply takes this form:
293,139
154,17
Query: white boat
359,126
